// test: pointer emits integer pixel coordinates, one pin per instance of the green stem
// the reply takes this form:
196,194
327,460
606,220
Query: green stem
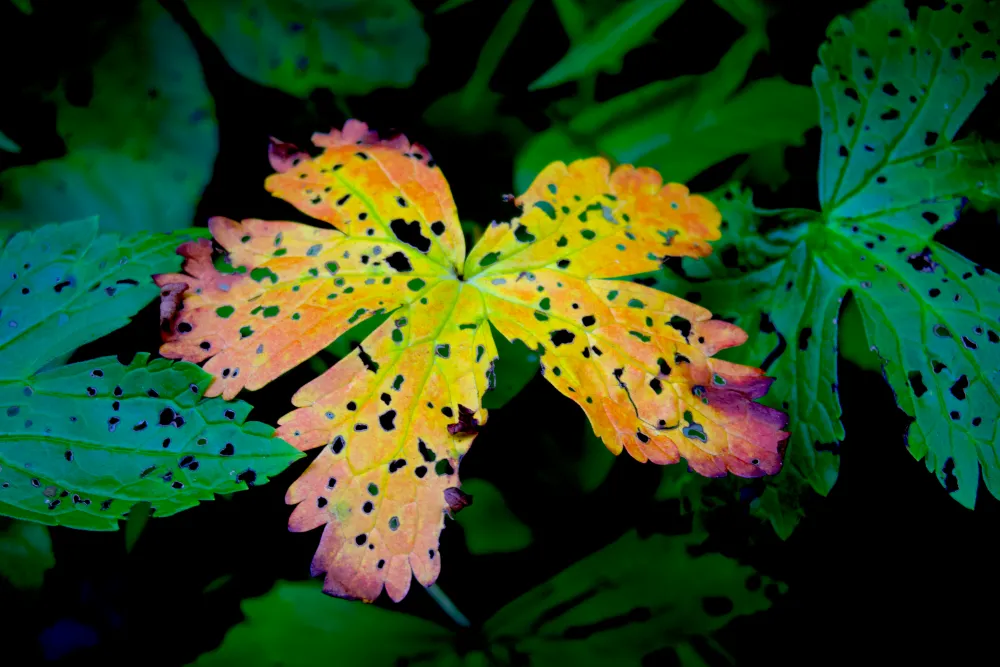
447,606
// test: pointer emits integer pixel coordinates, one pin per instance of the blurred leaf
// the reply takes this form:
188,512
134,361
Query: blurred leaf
765,166
141,152
489,526
7,144
628,601
25,554
349,46
23,5
573,17
450,5
515,367
595,461
138,517
682,126
751,13
473,108
602,49
295,623
853,342
99,436
69,275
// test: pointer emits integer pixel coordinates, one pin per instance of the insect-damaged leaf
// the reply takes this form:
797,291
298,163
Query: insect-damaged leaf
638,361
68,274
85,442
894,94
396,415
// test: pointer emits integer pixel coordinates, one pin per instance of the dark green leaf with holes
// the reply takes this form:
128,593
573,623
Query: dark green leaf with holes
64,285
83,443
608,609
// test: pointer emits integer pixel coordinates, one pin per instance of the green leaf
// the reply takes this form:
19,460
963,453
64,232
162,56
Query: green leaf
449,5
473,108
594,463
932,316
787,300
853,342
682,126
602,49
138,517
515,367
489,526
23,5
83,443
7,144
620,591
294,623
349,46
69,275
141,152
25,554
893,95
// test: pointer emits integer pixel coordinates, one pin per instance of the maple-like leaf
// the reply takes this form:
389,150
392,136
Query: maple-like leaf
894,92
396,415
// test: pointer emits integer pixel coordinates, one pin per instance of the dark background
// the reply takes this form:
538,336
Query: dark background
887,562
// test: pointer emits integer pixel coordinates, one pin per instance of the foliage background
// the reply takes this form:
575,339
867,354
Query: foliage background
887,558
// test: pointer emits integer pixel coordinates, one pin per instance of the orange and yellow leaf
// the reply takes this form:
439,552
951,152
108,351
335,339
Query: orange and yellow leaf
395,417
638,361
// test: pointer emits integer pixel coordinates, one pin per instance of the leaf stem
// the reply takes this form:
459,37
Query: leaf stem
447,606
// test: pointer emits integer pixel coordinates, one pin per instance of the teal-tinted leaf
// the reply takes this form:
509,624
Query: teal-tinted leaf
349,46
490,527
787,300
83,443
7,144
515,367
932,316
141,152
602,49
295,623
621,590
25,554
893,93
64,285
